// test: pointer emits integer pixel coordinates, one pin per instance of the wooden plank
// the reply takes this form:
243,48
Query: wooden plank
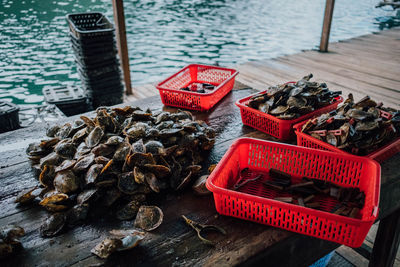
119,18
335,82
352,256
365,48
392,33
268,78
138,91
387,241
351,50
326,28
130,98
379,42
150,90
393,86
363,65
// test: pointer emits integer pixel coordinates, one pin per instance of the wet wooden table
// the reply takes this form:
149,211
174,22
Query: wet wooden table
173,243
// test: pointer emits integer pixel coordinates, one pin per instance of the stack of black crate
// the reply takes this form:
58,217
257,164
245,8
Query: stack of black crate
93,42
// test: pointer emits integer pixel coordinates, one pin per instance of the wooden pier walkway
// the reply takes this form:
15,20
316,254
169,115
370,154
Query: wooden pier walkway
365,65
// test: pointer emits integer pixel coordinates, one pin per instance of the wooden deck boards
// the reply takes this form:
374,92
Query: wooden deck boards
364,65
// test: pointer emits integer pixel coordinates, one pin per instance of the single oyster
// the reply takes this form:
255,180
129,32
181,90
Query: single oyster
149,218
106,247
53,225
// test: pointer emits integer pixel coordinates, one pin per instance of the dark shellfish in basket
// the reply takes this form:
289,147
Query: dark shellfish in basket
356,127
291,100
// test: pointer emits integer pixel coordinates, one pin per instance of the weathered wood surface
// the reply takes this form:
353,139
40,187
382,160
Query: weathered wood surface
173,243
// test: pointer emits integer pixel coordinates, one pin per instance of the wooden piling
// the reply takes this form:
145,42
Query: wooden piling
119,19
326,28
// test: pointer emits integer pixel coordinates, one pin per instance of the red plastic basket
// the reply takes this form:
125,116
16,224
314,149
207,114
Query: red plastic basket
254,202
379,155
222,78
282,129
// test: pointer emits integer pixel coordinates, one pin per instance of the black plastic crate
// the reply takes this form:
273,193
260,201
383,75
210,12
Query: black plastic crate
104,90
104,80
96,46
100,60
114,90
94,53
71,100
101,82
107,100
9,119
105,39
93,58
98,69
95,76
89,25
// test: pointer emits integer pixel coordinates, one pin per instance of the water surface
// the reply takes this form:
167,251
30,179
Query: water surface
165,35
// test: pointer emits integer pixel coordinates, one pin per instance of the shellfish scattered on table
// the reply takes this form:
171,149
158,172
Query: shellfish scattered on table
120,240
109,163
356,127
149,218
9,242
291,100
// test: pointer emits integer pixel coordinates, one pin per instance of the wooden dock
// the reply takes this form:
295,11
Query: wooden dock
365,65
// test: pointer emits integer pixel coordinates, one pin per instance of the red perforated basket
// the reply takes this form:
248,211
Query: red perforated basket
379,155
254,201
222,78
282,129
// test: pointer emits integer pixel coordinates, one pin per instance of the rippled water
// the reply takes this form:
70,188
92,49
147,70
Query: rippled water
165,35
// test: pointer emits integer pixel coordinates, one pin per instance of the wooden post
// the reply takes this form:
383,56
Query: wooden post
326,28
119,19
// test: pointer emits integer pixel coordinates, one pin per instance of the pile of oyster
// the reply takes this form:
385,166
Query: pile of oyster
291,100
113,162
356,127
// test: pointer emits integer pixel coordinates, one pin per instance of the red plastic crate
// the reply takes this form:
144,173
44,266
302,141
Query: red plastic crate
282,129
379,155
222,78
254,202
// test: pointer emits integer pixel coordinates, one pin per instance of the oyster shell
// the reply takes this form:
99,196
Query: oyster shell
53,225
149,218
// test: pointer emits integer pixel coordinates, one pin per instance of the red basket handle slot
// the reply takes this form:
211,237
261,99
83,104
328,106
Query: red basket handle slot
320,132
336,132
385,114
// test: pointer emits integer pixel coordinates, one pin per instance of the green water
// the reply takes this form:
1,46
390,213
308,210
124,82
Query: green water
164,36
